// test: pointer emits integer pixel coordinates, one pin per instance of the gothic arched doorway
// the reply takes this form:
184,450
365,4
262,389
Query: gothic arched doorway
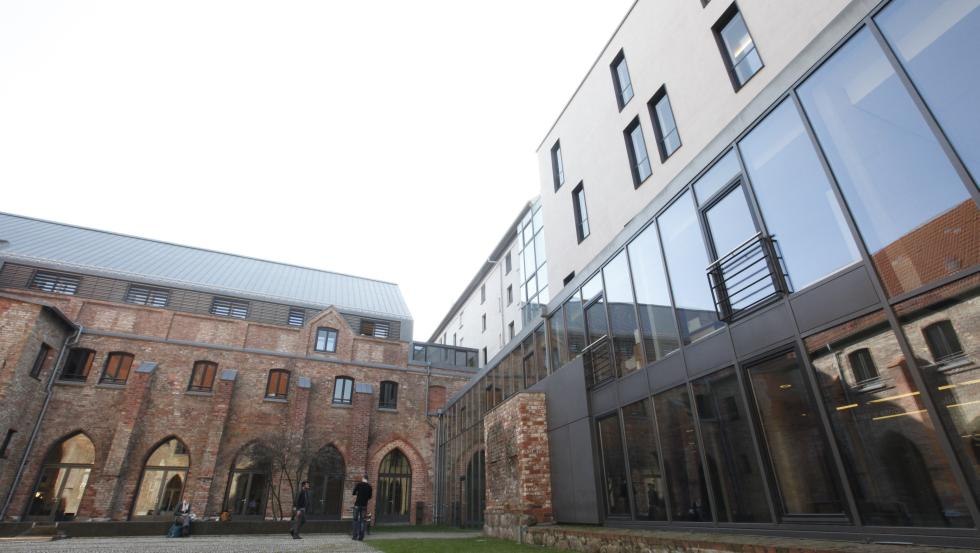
248,484
327,473
394,488
475,499
162,482
63,478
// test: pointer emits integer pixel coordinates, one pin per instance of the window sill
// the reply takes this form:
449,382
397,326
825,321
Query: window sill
951,364
70,382
872,385
198,393
325,353
387,409
110,386
342,405
275,399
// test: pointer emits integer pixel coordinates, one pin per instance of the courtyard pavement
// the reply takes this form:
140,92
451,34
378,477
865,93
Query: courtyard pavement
311,543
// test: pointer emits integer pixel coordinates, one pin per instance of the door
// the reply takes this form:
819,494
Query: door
394,488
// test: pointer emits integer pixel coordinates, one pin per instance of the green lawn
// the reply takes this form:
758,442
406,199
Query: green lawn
465,545
381,528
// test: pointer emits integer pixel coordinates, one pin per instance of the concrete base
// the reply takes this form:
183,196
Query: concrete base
198,528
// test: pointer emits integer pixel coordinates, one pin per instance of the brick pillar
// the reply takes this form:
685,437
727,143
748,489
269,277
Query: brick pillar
518,466
202,475
357,462
107,486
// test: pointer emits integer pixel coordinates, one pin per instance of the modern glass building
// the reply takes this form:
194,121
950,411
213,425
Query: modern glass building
789,340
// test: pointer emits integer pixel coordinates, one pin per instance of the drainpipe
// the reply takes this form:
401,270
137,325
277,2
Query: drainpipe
70,341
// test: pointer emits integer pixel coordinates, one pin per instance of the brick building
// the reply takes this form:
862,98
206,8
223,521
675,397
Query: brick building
134,373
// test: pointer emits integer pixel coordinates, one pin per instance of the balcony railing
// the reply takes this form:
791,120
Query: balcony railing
597,358
746,277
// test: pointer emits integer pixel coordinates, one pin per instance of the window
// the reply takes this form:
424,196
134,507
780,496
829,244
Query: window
202,376
510,330
153,297
657,327
614,466
664,126
454,338
485,356
343,388
942,341
510,294
581,212
507,264
636,149
326,340
117,367
483,293
483,322
55,283
862,365
621,79
40,360
6,442
557,166
235,309
737,49
568,278
278,385
389,395
296,317
78,364
163,479
378,329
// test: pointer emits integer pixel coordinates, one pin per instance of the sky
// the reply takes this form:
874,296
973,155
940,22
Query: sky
392,140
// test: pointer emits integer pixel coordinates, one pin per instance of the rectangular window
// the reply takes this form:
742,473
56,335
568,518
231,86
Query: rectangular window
943,342
644,462
343,389
510,330
613,467
153,297
388,399
862,365
6,442
41,360
202,376
117,367
622,314
326,340
636,150
278,385
621,80
484,356
55,283
507,264
483,293
378,329
78,365
688,490
483,322
557,346
737,49
510,294
658,328
664,126
557,166
581,212
296,317
235,309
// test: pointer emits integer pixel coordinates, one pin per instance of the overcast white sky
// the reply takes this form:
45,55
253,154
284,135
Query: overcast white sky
386,139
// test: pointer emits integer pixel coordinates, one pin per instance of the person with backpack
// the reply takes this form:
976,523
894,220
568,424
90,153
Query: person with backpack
362,493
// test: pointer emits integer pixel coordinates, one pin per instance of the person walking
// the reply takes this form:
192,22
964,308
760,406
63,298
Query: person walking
362,493
299,509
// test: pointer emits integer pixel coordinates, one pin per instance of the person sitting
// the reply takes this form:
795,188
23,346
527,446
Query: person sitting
183,516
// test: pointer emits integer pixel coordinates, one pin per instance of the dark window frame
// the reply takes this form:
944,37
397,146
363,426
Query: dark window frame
388,395
631,152
582,228
510,294
55,283
296,316
230,304
346,396
950,341
281,390
483,322
373,328
557,165
6,442
203,374
40,360
658,131
621,102
508,264
150,296
87,362
114,377
862,365
326,330
729,14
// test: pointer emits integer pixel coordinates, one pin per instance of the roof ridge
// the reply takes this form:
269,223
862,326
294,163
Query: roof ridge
195,248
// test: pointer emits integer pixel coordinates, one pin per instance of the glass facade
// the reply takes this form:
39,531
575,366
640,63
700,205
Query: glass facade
534,267
686,486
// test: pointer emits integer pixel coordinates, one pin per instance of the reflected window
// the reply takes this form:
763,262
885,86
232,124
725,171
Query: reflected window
899,184
664,126
737,48
636,150
682,460
649,485
658,329
942,340
162,483
615,490
621,78
862,365
936,42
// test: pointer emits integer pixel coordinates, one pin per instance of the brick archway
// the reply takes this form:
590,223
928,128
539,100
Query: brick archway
420,475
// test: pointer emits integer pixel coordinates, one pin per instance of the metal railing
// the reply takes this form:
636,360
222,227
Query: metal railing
746,277
597,358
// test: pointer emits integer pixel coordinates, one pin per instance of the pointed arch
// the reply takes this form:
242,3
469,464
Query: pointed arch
63,478
327,475
249,482
163,479
411,489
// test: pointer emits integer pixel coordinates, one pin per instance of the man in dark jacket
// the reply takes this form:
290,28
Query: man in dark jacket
299,509
362,493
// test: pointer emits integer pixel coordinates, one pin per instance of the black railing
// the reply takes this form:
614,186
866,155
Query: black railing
597,358
746,277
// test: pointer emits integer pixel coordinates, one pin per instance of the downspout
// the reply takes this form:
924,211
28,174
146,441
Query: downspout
70,341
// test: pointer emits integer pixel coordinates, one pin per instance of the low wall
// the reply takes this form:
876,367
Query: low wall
198,528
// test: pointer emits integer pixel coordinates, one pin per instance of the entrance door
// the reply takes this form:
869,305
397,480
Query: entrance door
246,494
326,484
394,488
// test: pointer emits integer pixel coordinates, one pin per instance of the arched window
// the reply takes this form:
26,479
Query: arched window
162,483
64,475
248,483
117,366
78,365
326,476
278,385
475,501
942,341
202,377
388,399
394,488
343,390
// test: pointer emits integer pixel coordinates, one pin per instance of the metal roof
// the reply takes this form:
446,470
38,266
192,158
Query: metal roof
110,254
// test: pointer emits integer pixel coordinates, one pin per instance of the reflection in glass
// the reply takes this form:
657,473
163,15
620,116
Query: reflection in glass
64,477
644,462
394,488
622,314
898,472
614,467
942,327
574,326
557,345
657,325
163,479
717,177
730,222
799,208
741,50
686,264
248,482
937,42
900,186
326,475
798,452
682,461
736,478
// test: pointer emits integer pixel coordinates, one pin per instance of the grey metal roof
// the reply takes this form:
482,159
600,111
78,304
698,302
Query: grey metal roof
106,253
